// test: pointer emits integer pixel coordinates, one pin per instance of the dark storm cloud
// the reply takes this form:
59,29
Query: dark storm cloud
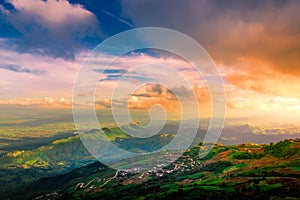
230,30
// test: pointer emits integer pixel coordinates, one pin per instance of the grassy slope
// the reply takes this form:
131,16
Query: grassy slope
246,171
259,171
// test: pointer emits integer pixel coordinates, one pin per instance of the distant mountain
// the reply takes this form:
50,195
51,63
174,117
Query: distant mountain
244,134
69,151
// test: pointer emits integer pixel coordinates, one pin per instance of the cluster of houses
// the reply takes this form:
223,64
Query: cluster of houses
184,163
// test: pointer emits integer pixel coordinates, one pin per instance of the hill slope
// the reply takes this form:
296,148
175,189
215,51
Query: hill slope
245,171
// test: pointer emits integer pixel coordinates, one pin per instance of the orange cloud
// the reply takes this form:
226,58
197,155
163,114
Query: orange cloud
103,103
262,77
152,94
44,102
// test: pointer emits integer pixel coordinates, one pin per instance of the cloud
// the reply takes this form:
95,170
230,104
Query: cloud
17,68
170,98
53,27
253,103
111,77
121,74
128,73
110,74
252,37
174,93
143,68
36,76
268,82
43,102
111,71
156,89
103,103
109,14
51,12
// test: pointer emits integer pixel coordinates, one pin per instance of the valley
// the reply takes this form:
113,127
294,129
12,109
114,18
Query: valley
62,168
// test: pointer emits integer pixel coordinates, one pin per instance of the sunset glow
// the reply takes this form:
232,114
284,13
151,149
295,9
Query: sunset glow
257,54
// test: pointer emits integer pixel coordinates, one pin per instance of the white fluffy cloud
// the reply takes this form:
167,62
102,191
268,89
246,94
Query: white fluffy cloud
52,12
53,27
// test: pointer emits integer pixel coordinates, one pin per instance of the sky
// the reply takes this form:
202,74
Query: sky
254,44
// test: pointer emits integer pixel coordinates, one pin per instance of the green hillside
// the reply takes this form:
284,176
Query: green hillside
245,171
